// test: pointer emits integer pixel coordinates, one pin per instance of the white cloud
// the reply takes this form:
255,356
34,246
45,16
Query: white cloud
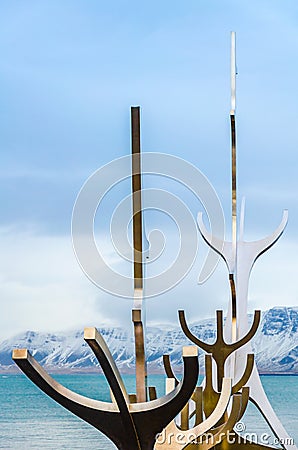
43,288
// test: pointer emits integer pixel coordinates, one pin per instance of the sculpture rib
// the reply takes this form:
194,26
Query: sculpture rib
203,427
246,255
168,368
224,248
253,329
219,410
250,360
105,359
129,426
102,415
219,434
209,393
220,349
191,336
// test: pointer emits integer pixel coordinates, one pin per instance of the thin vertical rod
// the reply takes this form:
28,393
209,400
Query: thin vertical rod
141,372
137,197
233,72
233,139
234,181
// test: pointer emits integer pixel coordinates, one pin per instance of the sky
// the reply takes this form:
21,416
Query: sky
69,73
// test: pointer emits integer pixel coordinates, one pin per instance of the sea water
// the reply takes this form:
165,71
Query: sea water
31,420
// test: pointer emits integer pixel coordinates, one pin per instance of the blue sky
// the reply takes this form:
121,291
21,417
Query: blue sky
69,72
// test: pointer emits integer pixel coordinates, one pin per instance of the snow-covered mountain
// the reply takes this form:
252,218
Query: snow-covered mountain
275,345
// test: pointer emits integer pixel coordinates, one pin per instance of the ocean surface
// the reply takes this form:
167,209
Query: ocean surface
30,420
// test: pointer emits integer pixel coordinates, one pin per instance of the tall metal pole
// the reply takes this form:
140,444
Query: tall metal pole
141,372
233,139
234,183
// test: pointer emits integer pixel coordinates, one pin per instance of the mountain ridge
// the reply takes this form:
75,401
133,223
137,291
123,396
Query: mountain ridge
275,346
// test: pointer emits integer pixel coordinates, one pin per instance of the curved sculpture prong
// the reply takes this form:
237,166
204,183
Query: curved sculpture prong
210,396
158,413
244,402
209,392
262,245
234,441
198,430
100,349
250,359
220,349
224,248
102,415
168,368
246,255
197,395
220,434
211,437
218,411
130,426
141,370
170,374
250,334
215,436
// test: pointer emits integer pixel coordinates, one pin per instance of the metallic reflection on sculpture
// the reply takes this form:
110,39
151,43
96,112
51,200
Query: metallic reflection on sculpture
138,275
220,350
207,425
131,426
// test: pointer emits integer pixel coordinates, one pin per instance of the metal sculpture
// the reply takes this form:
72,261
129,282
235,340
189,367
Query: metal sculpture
231,351
206,426
131,426
207,399
240,257
220,350
133,421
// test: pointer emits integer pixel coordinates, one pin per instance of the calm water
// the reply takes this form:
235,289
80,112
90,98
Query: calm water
30,420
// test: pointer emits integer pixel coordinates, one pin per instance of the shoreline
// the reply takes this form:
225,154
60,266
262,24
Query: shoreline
97,371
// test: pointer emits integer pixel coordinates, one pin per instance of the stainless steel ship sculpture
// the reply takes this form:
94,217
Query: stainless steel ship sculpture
194,417
240,256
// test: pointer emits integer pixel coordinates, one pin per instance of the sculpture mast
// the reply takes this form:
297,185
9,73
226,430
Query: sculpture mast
233,138
240,256
137,223
234,184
